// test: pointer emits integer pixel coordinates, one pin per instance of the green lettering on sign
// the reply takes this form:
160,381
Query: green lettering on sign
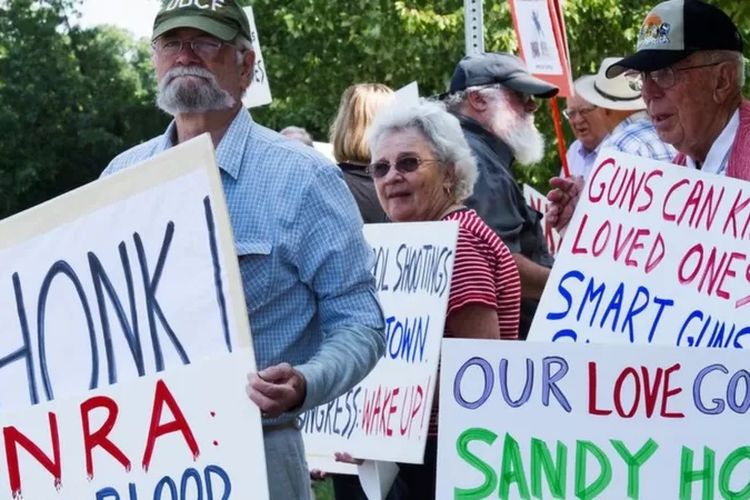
462,448
634,462
554,473
584,491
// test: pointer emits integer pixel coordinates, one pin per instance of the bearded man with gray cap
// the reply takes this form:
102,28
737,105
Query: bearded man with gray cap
690,69
316,323
492,94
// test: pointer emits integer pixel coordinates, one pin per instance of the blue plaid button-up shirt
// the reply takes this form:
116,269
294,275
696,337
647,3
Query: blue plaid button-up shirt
636,135
304,262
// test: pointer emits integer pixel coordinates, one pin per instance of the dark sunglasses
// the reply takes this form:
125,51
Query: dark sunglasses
403,165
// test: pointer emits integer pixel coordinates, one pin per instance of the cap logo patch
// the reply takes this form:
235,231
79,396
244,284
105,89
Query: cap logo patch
201,4
653,32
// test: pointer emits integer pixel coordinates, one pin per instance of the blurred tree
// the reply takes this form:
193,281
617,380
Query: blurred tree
70,99
314,49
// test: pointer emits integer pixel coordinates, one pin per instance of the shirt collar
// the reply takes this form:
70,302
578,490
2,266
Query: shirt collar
718,155
229,154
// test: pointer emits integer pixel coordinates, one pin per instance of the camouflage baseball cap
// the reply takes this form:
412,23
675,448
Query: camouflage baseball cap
223,19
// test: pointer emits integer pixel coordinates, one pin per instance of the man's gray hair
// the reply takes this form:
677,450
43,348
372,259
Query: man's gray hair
441,129
455,101
717,56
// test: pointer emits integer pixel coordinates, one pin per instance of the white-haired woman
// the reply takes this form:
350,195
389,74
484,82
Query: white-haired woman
423,171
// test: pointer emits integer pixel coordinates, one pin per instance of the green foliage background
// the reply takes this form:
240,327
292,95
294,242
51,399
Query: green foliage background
71,98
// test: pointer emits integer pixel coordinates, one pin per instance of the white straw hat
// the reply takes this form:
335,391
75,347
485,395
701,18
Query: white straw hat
609,93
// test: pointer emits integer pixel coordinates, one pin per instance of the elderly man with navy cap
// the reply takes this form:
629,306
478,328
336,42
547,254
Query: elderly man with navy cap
690,69
492,94
316,323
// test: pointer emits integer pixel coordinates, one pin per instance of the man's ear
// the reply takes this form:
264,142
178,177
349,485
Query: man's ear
725,84
248,67
477,101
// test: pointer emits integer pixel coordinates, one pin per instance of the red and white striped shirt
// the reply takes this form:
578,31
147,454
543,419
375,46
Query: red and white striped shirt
484,272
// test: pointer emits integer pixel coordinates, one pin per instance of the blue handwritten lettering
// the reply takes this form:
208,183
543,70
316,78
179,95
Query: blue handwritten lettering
406,338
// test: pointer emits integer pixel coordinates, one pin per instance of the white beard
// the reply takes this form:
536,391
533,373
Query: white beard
519,133
179,95
526,142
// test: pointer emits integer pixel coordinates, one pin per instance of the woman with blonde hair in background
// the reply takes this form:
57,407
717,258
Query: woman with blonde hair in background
359,104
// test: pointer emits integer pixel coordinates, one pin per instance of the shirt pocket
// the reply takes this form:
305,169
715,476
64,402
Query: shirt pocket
255,269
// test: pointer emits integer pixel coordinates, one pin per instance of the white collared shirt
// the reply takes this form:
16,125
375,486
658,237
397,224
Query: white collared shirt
717,158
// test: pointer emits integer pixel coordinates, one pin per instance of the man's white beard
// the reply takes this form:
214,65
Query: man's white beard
181,95
520,134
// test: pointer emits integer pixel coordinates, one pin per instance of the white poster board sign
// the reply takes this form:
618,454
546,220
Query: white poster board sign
535,34
259,92
655,253
133,274
108,289
407,96
386,416
538,202
159,436
537,420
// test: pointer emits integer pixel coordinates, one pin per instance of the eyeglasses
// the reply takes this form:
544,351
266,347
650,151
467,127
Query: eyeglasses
570,114
204,47
404,165
664,78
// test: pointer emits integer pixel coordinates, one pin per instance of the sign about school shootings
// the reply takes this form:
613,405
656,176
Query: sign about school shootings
656,254
128,277
386,416
180,434
545,420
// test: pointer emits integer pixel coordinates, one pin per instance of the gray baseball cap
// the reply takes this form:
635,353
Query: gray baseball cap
498,67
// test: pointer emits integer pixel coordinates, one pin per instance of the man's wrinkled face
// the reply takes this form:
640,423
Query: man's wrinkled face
587,121
197,72
679,110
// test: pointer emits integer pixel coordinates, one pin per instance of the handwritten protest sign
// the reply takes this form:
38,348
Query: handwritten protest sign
130,275
655,253
169,435
124,278
259,92
540,420
538,202
540,29
386,416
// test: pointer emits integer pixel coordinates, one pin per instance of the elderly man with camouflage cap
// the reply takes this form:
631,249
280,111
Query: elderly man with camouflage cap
690,69
316,323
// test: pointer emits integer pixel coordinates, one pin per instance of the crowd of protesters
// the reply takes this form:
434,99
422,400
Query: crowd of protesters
676,98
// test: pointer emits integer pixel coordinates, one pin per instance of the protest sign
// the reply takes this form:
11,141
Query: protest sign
655,253
538,202
386,416
188,433
130,275
259,92
540,420
540,30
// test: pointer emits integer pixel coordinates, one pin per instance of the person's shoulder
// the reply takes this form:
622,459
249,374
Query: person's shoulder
132,156
287,157
471,227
